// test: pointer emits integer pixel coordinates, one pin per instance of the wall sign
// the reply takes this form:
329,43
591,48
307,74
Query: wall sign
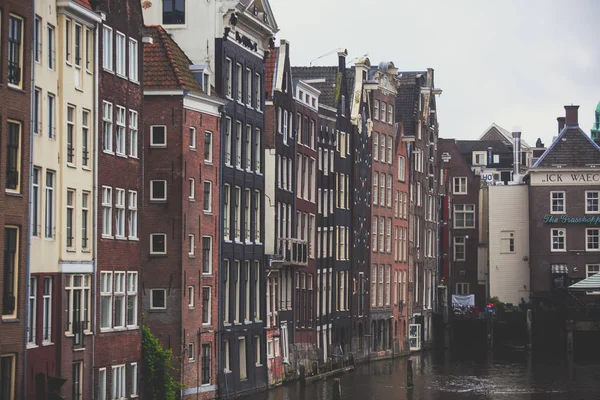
566,219
565,178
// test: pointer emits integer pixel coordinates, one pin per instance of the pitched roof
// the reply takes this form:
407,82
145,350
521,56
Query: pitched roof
165,64
407,101
572,148
327,88
496,132
468,146
270,67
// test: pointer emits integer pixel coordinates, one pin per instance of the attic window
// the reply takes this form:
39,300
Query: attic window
265,18
206,83
173,12
255,10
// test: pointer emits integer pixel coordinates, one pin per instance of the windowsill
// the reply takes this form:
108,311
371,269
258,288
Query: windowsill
191,307
107,236
32,346
193,200
71,250
16,88
191,361
258,110
134,157
592,250
88,71
79,349
13,193
557,212
158,146
207,324
191,256
208,162
132,327
192,149
122,155
110,71
207,275
157,255
112,153
86,168
122,76
79,89
136,82
158,310
153,201
207,212
228,165
133,239
47,343
121,237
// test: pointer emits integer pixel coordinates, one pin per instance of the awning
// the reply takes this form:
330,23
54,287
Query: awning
591,283
560,269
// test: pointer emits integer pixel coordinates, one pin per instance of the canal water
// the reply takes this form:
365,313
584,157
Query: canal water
500,375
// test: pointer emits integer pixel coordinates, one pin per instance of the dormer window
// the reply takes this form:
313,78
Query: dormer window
479,158
173,12
206,83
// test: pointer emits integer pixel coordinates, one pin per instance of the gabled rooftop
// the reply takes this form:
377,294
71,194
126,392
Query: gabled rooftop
327,85
496,132
572,148
468,146
166,66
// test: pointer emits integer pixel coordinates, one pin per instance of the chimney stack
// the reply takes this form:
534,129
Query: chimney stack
516,155
571,115
342,60
561,123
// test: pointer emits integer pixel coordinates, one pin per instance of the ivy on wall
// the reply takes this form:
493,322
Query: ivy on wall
157,369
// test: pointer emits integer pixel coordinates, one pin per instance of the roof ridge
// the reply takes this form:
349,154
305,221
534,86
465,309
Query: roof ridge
559,137
167,41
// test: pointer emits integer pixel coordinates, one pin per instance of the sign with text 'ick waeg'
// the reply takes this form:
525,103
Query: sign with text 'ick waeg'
567,178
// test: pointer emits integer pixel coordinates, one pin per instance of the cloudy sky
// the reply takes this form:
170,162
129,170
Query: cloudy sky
515,63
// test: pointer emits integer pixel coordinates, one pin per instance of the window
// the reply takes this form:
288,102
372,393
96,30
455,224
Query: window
389,149
459,248
206,305
120,213
508,241
31,311
383,111
226,355
133,60
376,109
381,234
107,48
121,131
238,144
206,363
238,213
375,187
248,145
70,218
226,212
401,168
592,239
7,376
70,133
248,87
37,39
13,157
257,290
191,297
133,379
191,189
257,217
47,311
375,146
133,133
158,190
591,202
51,50
68,29
158,299
15,51
558,239
192,138
191,245
229,71
77,381
132,302
78,46
257,150
49,220
206,255
51,102
462,289
85,138
106,211
258,89
389,190
208,146
158,137
119,299
374,233
239,77
85,210
479,158
78,310
89,49
37,111
390,115
382,189
118,382
173,12
133,215
557,202
460,185
121,53
388,282
102,384
106,290
228,141
243,361
464,216
158,243
388,236
107,126
35,202
247,209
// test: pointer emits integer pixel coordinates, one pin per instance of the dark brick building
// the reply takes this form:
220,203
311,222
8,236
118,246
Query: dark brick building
564,196
334,216
15,98
180,227
117,367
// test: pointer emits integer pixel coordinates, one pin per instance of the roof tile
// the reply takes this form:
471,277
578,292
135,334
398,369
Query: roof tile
328,88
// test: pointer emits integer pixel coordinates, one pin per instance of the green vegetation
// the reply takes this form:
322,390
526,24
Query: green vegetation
157,369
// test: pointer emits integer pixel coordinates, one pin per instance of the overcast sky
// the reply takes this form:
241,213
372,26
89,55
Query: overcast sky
515,63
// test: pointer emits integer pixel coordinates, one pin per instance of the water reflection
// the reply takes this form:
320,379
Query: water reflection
503,375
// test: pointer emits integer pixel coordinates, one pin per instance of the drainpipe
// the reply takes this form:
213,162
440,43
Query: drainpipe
29,213
95,207
220,246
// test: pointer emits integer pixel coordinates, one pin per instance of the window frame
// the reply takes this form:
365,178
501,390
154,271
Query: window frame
206,310
564,236
462,182
20,47
588,199
191,245
562,197
588,236
464,212
133,64
191,189
192,138
154,144
151,247
121,54
132,215
133,134
209,258
15,163
207,207
108,62
152,305
208,155
107,201
158,199
8,313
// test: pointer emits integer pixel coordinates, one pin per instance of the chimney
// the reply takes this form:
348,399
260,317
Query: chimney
342,60
571,115
516,155
561,123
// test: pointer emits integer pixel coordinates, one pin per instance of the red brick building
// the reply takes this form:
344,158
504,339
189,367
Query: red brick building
180,228
119,195
15,96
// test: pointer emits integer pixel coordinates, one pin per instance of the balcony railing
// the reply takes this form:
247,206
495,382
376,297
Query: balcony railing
293,251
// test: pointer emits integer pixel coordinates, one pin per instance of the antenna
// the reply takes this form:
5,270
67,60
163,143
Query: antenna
325,55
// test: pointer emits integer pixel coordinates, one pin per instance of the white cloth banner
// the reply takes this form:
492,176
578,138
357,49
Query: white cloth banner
463,301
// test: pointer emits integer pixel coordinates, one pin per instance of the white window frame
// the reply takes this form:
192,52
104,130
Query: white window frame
133,373
464,211
107,48
107,127
556,232
107,211
589,273
120,213
561,198
132,217
158,144
591,196
209,272
462,288
193,138
119,389
132,295
191,189
461,183
459,241
191,245
191,289
152,182
133,60
208,156
133,134
47,311
588,235
106,292
121,54
119,293
102,384
209,313
152,306
210,194
121,133
152,251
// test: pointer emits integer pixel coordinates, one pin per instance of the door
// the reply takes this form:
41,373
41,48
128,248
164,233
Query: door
414,337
